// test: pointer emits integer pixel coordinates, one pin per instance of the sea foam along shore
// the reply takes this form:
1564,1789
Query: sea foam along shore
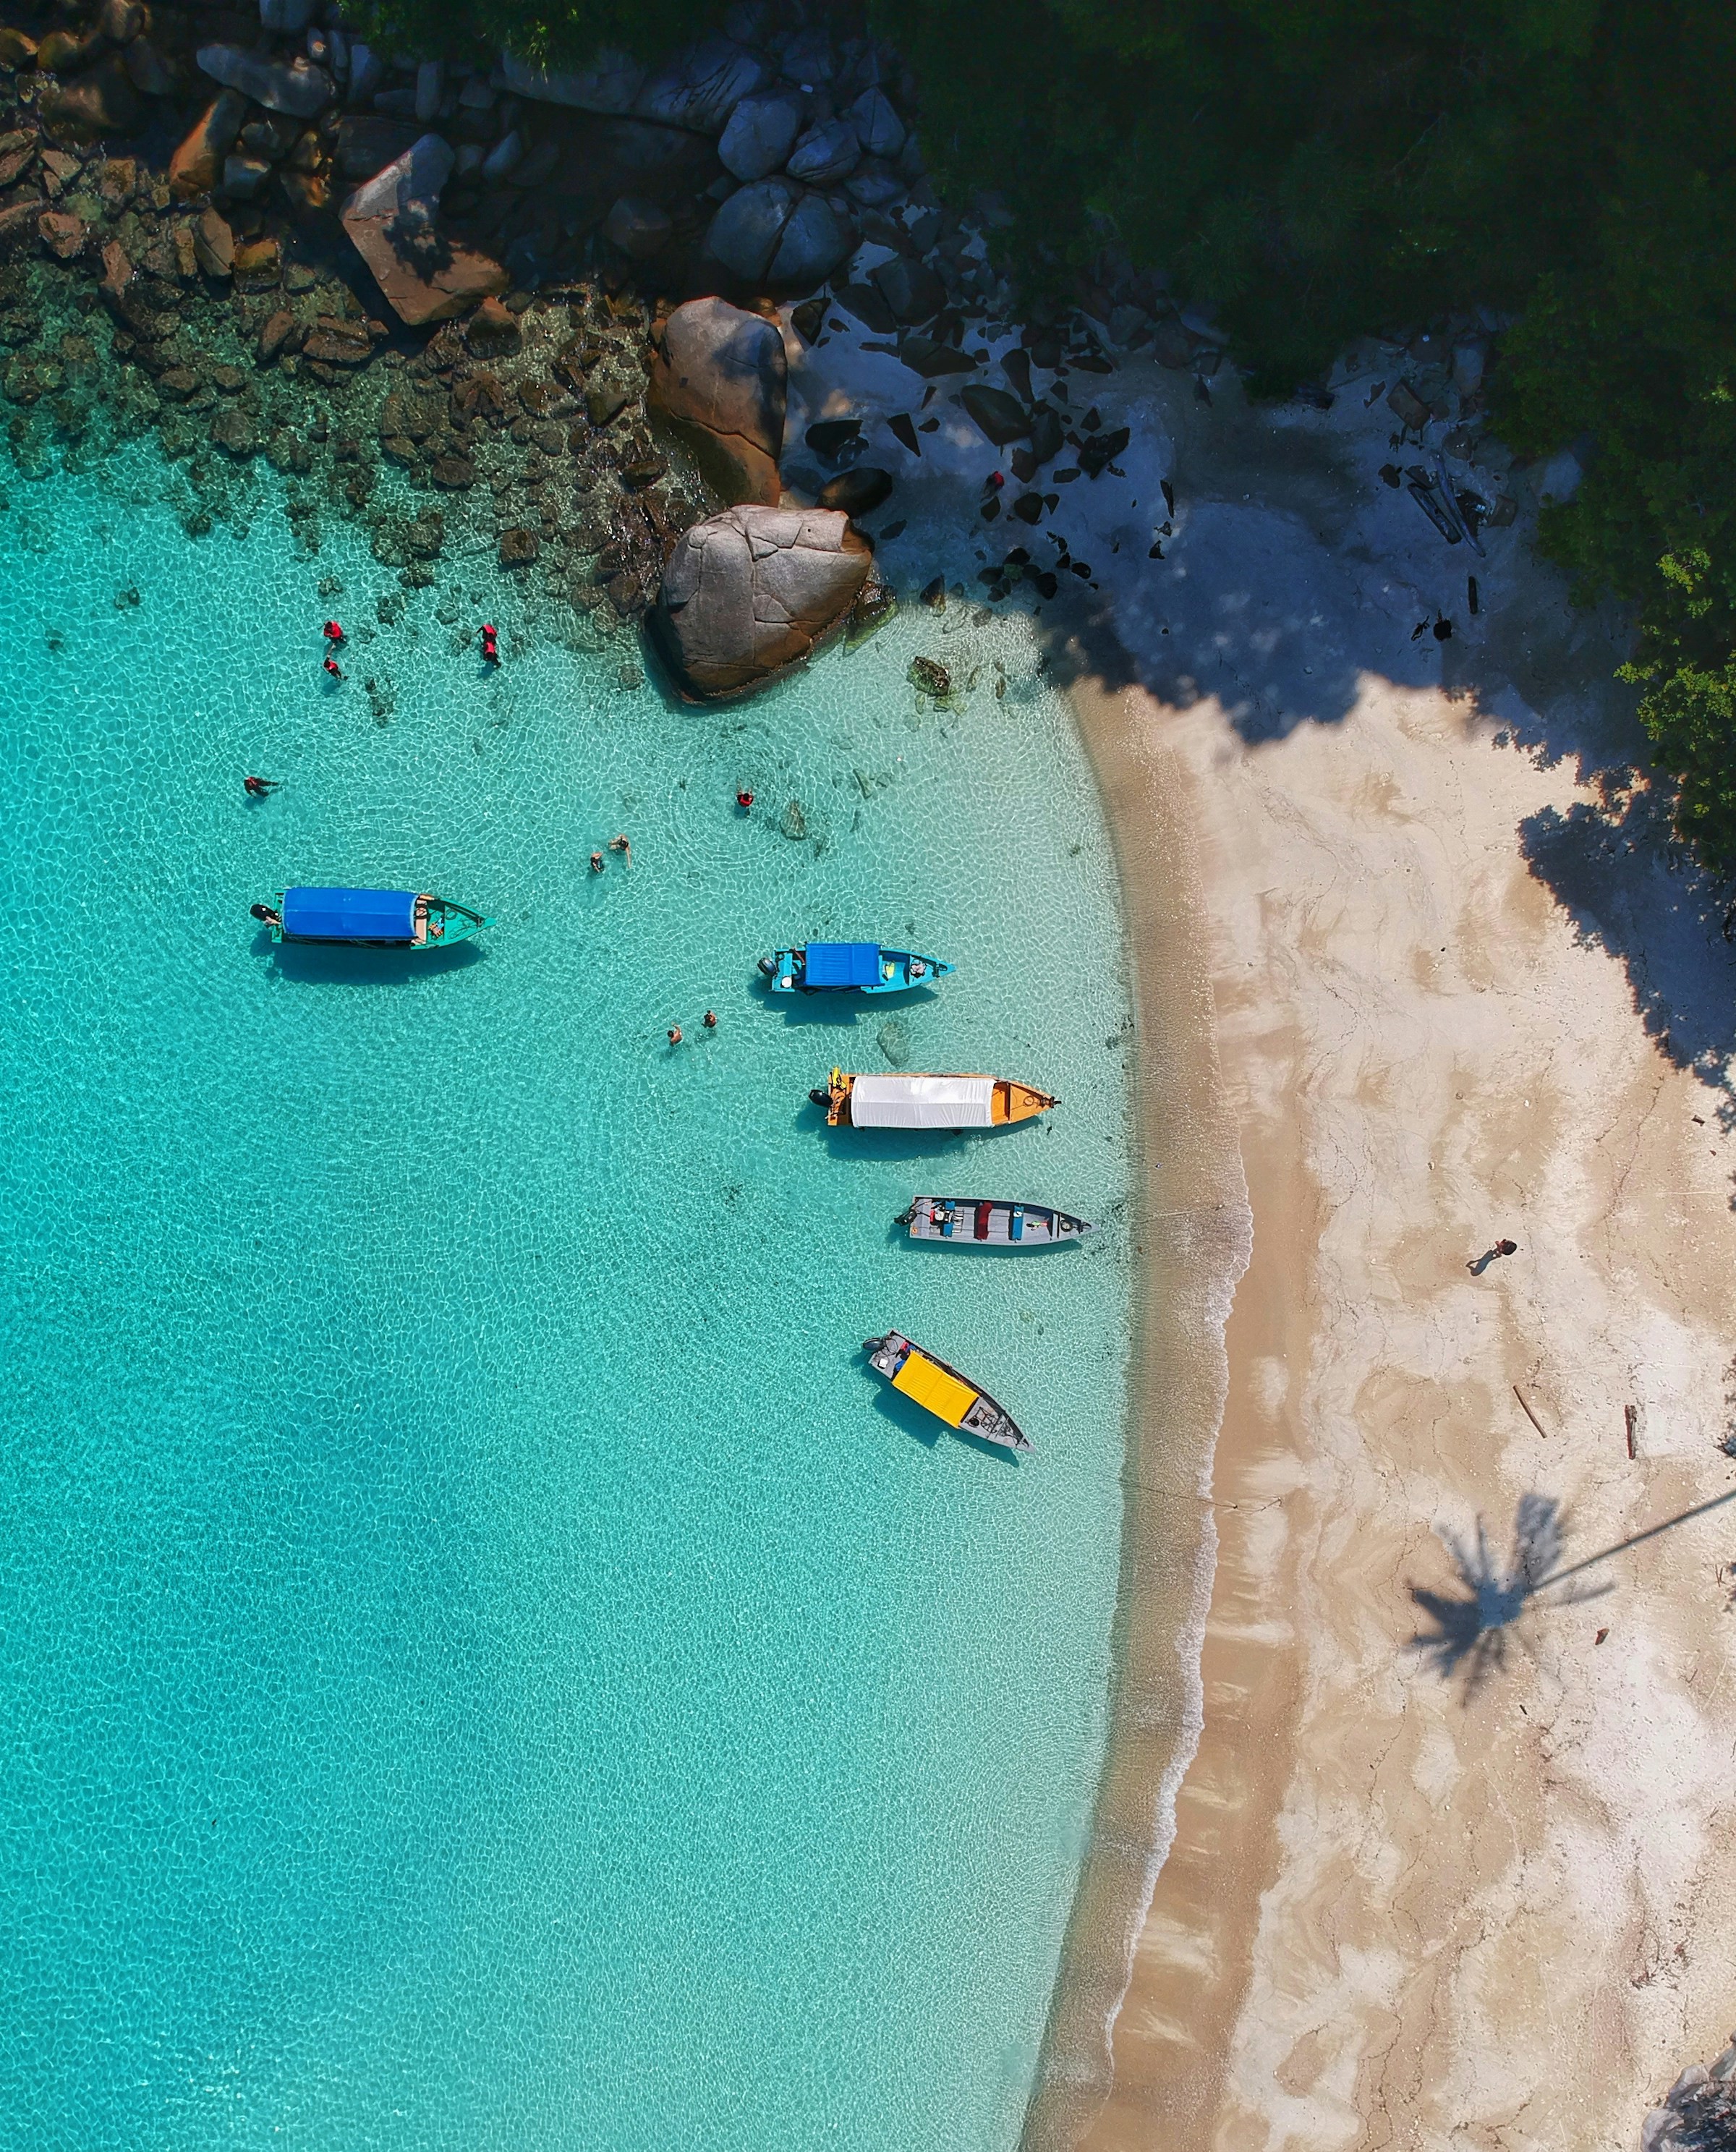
1452,1856
1443,1856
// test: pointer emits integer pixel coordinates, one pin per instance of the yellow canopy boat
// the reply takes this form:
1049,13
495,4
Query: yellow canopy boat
928,1102
930,1382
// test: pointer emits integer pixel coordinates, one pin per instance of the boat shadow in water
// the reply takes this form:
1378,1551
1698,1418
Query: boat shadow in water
310,965
893,1143
910,1418
845,1012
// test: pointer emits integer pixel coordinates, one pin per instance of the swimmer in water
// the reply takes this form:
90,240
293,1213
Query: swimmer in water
745,800
675,1034
333,667
711,1019
620,845
334,632
258,788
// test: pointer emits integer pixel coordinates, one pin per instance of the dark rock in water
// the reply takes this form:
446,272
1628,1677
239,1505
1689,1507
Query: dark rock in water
830,437
719,381
492,331
754,590
643,468
807,319
760,134
296,87
1015,365
1102,448
233,430
61,233
1003,418
815,240
605,399
866,304
899,426
911,289
519,547
103,102
274,335
640,228
895,1043
19,225
1029,507
857,492
213,244
745,232
874,606
930,678
934,594
331,347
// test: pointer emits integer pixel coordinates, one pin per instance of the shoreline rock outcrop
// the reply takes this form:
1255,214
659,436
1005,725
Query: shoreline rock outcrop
718,382
754,592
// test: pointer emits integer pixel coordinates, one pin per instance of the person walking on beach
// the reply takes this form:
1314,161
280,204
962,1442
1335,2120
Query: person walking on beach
259,788
1479,1264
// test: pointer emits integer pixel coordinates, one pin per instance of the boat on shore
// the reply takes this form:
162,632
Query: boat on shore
928,1102
369,918
846,968
991,1221
930,1382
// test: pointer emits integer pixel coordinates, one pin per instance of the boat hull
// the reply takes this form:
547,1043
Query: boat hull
890,1357
991,1222
786,972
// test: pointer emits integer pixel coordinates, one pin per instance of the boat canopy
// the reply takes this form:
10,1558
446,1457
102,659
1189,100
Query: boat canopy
943,1394
843,964
350,915
922,1102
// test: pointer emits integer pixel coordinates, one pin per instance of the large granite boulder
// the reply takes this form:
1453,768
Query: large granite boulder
393,222
760,134
610,85
745,231
814,242
878,127
702,86
295,86
827,152
752,592
719,381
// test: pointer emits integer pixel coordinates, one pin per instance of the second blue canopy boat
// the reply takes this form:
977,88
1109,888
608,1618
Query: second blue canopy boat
369,918
844,968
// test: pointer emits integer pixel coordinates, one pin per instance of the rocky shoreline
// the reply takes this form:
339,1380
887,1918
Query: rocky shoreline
256,238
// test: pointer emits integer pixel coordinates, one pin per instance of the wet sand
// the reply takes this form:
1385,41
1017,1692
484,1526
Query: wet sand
1453,1863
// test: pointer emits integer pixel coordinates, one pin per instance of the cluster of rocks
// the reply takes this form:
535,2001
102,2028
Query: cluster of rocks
1698,2112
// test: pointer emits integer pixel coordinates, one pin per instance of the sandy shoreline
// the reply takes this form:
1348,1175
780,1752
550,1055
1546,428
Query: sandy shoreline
1448,1868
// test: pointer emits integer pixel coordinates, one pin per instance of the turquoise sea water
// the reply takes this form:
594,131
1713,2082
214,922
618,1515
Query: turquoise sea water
482,1664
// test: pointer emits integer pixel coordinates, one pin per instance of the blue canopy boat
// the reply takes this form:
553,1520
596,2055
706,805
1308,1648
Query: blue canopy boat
369,918
844,968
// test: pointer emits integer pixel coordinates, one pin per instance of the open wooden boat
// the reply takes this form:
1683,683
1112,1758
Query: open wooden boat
369,918
942,1390
928,1102
844,968
991,1222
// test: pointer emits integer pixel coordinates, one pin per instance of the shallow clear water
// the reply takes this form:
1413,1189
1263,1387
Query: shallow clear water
483,1664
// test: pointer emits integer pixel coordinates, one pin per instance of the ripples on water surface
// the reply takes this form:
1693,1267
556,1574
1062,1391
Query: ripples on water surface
484,1666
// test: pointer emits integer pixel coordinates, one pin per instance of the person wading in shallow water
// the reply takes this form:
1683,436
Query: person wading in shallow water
333,632
620,845
259,788
334,668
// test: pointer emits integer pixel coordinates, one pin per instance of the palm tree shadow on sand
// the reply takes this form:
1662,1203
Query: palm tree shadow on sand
1472,1628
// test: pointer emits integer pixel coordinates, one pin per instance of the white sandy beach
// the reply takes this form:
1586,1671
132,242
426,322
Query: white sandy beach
1453,1862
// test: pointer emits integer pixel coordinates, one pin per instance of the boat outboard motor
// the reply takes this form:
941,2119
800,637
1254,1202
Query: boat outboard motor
769,967
820,1098
263,911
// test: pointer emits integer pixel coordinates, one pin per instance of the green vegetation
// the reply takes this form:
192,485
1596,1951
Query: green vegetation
1320,168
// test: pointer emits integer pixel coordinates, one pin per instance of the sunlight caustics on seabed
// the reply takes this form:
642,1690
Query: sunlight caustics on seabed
485,1664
